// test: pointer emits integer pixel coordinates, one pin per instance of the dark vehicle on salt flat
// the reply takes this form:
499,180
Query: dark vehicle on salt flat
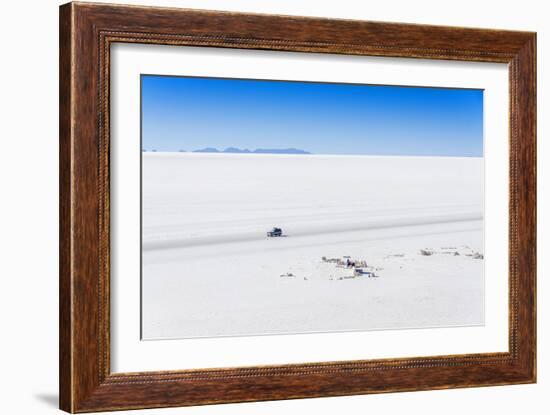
275,232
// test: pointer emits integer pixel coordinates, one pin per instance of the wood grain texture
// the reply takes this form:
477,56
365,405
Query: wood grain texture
86,33
65,247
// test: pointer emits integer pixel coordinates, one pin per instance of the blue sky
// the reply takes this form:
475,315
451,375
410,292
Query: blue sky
185,113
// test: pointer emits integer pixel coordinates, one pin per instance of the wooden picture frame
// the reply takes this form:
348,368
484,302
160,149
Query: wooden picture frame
86,33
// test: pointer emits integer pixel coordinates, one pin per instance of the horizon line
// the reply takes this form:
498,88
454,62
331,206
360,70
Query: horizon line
308,154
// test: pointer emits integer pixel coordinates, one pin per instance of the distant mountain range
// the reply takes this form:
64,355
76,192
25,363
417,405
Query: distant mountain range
257,151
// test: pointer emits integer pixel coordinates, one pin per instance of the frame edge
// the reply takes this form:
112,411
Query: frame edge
66,398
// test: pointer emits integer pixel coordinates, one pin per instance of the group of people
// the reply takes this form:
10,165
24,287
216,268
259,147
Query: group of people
350,263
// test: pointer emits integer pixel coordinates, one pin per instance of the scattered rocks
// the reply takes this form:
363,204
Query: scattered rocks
453,251
287,275
359,267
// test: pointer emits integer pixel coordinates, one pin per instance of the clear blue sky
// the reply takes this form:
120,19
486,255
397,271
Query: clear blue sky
322,118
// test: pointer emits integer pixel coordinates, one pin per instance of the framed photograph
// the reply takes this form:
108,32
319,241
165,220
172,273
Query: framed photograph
258,207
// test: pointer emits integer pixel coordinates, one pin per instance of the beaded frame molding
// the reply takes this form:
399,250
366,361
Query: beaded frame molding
86,33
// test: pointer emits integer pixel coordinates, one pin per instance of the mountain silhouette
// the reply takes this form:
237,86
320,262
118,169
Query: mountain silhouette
236,150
